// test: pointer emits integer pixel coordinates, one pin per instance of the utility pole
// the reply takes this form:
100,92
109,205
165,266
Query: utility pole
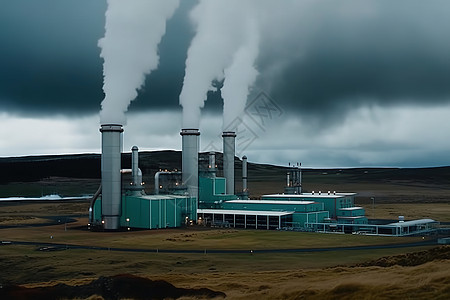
373,207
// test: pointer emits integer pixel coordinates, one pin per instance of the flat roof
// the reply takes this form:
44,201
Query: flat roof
270,202
311,195
351,208
413,222
161,197
244,212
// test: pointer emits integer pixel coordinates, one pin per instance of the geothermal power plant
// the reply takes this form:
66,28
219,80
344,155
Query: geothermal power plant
198,196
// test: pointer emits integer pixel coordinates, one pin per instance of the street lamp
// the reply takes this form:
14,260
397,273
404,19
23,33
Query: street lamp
373,207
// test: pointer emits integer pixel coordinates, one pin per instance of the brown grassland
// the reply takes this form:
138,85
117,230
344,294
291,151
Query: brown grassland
390,273
309,275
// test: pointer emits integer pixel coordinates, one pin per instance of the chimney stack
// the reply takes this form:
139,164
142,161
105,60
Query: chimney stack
244,178
111,176
135,166
229,138
136,173
190,145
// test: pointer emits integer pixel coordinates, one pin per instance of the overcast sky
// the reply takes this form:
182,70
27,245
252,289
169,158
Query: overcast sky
341,83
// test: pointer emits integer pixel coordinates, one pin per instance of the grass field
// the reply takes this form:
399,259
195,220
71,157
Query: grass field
310,275
411,211
200,238
327,275
305,275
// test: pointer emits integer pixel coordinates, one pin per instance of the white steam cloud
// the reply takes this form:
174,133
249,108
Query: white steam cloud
225,45
240,75
133,31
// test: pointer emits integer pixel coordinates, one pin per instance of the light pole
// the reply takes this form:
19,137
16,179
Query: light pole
373,207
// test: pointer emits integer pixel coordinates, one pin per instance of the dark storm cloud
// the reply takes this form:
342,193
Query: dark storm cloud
50,60
317,58
388,53
163,86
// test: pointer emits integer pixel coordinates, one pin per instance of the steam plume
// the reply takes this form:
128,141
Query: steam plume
133,31
219,36
240,75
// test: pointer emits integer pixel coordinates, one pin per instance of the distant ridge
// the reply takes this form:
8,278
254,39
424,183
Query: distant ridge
35,168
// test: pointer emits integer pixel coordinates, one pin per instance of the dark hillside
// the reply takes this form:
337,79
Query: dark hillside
35,168
80,174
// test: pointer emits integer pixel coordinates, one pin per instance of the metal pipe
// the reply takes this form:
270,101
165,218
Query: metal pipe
293,174
229,138
92,203
190,145
157,183
300,178
111,177
244,178
157,179
136,173
135,165
212,163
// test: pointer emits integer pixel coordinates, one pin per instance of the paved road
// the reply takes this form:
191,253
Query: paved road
58,246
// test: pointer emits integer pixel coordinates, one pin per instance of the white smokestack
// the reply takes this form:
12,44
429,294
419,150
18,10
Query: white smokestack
111,177
228,160
244,178
129,48
190,145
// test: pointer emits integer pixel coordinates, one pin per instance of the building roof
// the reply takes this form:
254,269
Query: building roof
161,197
245,212
270,202
413,222
351,208
311,195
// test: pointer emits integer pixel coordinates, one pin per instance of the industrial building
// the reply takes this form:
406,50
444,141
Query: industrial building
196,195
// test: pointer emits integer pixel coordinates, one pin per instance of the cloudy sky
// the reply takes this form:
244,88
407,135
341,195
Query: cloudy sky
340,83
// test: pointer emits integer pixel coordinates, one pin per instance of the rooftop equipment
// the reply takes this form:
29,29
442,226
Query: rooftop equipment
294,180
136,173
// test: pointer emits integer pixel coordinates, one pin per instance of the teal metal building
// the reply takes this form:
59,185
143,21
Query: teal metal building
152,211
304,211
275,211
210,200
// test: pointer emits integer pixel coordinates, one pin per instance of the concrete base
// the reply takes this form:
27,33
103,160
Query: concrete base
111,222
